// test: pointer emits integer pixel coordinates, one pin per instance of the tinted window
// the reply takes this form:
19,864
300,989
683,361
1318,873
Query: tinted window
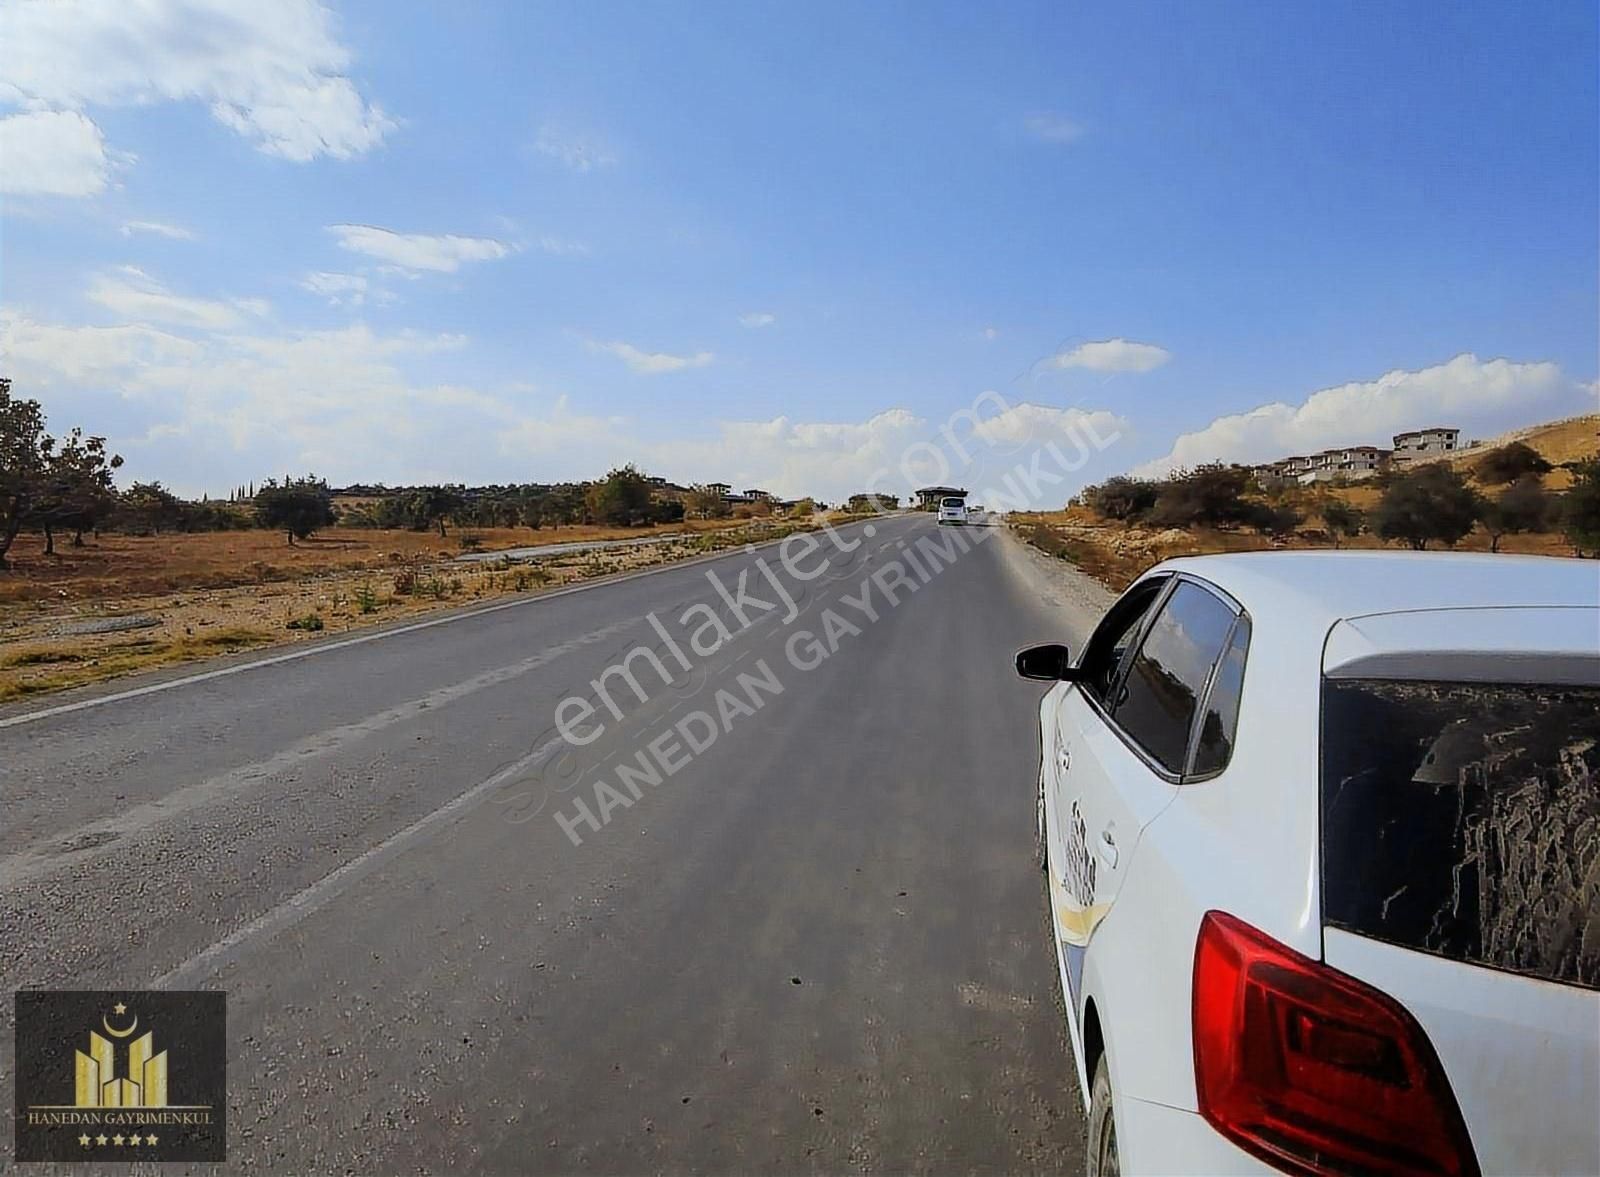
1215,743
1159,696
1109,644
1463,819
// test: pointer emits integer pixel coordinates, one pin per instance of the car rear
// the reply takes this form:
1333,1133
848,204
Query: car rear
952,510
1453,1024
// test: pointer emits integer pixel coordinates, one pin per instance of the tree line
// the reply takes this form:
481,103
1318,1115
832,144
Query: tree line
1428,504
47,483
52,486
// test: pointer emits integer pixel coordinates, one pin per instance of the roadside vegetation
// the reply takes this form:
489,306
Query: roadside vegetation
1537,493
97,581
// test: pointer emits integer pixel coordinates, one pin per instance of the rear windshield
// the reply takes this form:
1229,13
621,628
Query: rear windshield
1463,819
952,502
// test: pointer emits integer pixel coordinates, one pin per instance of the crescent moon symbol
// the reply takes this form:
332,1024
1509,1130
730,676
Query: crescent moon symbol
120,1033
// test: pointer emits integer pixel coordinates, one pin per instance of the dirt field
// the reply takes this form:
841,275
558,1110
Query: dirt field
123,565
181,597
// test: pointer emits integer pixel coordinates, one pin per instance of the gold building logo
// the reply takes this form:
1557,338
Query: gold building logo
109,1054
144,1085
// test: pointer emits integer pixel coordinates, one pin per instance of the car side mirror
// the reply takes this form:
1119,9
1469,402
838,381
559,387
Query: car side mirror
1051,662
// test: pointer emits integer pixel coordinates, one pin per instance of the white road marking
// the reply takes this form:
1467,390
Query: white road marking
294,909
345,643
43,857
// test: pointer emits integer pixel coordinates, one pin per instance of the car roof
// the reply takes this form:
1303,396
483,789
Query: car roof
1330,586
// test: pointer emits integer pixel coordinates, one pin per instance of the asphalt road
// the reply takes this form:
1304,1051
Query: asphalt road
819,944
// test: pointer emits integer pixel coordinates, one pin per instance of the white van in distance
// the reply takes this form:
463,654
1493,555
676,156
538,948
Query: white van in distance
952,510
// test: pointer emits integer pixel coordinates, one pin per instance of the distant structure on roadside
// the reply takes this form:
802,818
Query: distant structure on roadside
928,496
1360,461
1424,445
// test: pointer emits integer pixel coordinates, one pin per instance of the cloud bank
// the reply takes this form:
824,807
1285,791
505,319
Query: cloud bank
1467,392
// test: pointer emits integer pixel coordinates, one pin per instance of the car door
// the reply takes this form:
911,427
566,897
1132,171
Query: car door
1122,741
1074,865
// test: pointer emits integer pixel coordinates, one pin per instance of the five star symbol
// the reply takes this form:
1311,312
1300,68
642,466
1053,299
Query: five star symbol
119,1008
85,1140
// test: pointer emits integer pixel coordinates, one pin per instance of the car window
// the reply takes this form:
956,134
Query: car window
1160,694
1214,743
1460,818
1108,645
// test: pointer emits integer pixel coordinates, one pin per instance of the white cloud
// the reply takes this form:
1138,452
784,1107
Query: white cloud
220,398
418,251
651,362
1465,392
1113,355
157,229
338,289
757,319
562,246
217,407
895,451
272,72
793,458
580,153
43,354
52,153
1028,424
134,294
1053,128
990,334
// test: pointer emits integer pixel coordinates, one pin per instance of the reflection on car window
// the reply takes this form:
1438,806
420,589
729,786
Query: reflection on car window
1109,645
1221,717
1158,699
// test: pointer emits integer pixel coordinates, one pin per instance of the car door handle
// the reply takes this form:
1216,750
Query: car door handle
1108,848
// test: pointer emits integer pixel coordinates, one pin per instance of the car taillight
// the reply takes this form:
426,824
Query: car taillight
1310,1069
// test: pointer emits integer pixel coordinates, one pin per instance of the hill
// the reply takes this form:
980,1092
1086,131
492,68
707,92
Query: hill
1117,551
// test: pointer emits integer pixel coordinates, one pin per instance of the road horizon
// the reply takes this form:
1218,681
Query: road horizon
799,951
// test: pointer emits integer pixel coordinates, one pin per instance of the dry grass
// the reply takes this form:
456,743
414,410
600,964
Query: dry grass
223,592
89,660
1557,441
1116,554
129,566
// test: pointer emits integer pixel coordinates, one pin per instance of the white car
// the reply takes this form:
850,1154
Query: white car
952,510
1322,834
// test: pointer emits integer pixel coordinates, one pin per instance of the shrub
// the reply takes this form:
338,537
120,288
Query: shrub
1580,512
1523,506
1275,519
1342,520
1123,498
1429,503
470,541
296,506
311,623
1207,496
621,499
1510,462
366,597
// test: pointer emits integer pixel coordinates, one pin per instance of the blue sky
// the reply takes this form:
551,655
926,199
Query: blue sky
775,245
